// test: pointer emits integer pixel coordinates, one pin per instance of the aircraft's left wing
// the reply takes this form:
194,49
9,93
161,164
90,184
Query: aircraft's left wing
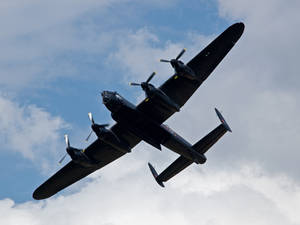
73,172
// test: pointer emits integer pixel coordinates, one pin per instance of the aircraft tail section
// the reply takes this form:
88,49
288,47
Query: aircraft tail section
201,147
211,138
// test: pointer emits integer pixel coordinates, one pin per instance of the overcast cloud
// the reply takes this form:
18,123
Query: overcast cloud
211,197
251,176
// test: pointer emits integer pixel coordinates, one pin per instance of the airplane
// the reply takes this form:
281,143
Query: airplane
144,121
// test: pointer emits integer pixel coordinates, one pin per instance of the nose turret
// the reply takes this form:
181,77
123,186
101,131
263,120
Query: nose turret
112,100
107,96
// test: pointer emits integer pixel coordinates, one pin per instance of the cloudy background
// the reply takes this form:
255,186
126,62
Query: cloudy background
55,58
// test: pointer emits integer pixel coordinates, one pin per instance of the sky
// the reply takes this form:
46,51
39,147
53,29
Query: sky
57,56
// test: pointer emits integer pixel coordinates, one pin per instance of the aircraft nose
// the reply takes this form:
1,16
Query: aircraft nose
105,97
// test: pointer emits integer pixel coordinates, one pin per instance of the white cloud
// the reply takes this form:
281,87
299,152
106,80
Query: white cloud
138,55
248,195
33,34
270,40
139,52
30,130
42,41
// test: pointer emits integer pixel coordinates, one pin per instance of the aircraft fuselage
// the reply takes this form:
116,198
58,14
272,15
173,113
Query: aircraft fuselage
126,113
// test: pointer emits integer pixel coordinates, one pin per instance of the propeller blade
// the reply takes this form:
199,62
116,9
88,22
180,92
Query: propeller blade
150,78
181,53
91,117
164,60
67,140
62,159
134,84
89,136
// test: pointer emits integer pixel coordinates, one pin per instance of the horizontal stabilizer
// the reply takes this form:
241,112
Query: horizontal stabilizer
201,147
155,175
222,120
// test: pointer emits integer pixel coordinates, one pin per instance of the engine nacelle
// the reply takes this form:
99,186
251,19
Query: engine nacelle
110,138
152,91
183,70
79,157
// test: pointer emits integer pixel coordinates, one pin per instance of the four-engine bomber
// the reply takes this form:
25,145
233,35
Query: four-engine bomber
145,121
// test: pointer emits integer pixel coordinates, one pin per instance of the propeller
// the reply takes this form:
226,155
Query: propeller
143,84
67,140
91,117
68,145
176,59
62,159
94,125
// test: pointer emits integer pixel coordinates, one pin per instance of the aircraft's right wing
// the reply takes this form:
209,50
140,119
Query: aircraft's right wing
180,89
201,147
73,172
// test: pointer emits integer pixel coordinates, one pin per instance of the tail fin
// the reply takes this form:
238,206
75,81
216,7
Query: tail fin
155,175
223,120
